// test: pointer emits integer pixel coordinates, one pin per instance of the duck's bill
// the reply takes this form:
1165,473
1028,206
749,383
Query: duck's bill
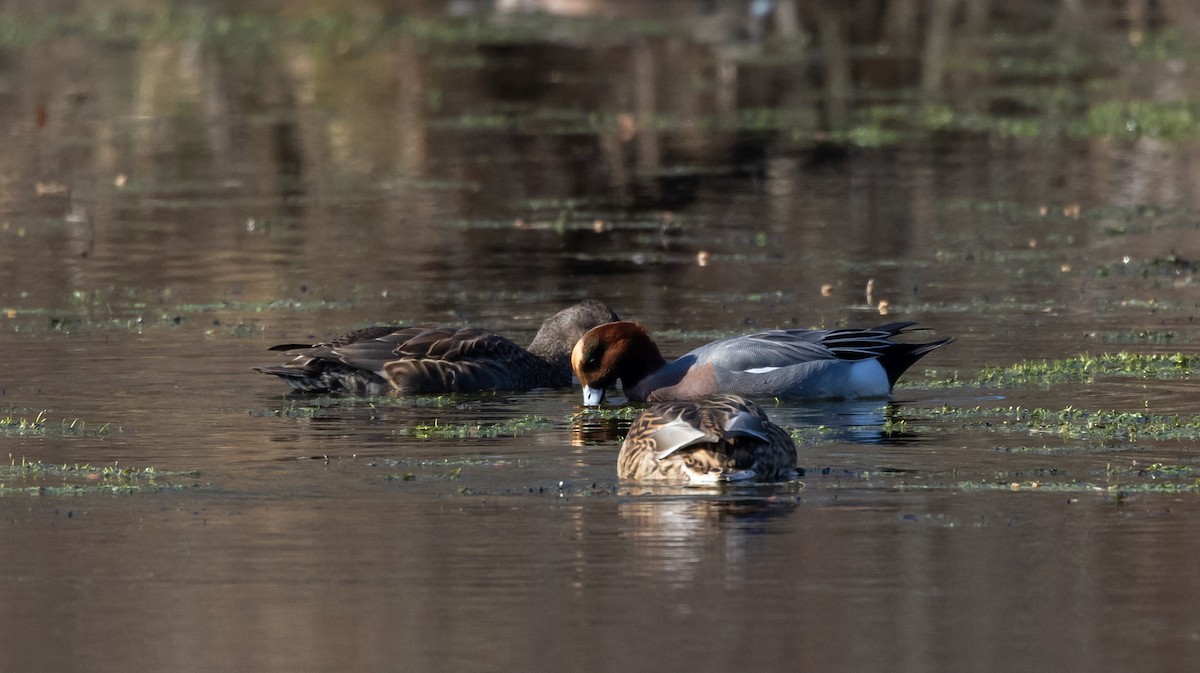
592,397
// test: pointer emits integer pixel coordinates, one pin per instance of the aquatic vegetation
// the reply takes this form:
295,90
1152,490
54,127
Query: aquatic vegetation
41,426
38,478
808,436
1039,450
292,409
138,311
455,401
1147,336
1117,490
1167,120
452,474
508,428
1165,272
1159,470
439,463
1053,113
1068,423
1087,368
316,406
1084,368
1117,482
442,469
623,413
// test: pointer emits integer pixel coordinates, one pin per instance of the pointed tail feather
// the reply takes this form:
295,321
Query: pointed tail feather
289,347
898,358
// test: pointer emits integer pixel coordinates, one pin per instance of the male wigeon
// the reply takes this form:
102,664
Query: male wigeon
793,363
440,359
716,439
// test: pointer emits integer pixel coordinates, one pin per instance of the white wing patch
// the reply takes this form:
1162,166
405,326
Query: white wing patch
760,370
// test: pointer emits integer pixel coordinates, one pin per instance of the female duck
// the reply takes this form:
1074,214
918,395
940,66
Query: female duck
439,359
717,439
796,363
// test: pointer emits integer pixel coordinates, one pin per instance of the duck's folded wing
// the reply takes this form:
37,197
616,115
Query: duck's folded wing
675,435
676,426
763,352
420,359
363,334
772,349
745,424
857,344
431,343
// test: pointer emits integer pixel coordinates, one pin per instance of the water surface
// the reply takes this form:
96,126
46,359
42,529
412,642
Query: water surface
185,186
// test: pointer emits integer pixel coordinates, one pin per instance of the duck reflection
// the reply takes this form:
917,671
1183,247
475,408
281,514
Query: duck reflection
856,421
590,428
680,537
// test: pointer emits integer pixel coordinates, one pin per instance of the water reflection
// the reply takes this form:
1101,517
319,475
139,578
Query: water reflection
185,184
407,121
679,535
589,428
846,421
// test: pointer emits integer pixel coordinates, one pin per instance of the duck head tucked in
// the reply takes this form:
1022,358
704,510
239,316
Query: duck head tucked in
723,438
439,358
844,363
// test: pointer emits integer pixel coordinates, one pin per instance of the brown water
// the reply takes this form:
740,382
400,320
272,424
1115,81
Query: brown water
183,187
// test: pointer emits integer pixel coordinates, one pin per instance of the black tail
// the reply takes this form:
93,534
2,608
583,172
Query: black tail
289,347
900,356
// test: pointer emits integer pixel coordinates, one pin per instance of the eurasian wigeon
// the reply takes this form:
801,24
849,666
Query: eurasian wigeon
793,363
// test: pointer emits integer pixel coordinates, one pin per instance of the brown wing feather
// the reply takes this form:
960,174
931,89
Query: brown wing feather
439,359
431,358
423,359
729,433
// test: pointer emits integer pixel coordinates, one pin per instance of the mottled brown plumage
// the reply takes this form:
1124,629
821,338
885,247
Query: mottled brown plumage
440,359
717,439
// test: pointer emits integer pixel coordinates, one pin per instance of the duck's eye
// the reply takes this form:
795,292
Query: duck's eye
591,359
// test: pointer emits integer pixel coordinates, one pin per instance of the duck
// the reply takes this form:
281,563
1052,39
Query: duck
846,364
708,441
438,358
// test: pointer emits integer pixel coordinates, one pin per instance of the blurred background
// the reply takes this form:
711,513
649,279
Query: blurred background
444,152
